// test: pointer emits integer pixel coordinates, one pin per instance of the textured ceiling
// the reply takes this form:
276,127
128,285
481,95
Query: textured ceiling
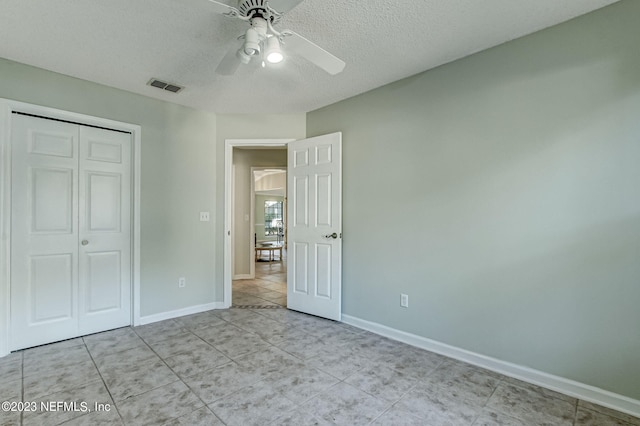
123,43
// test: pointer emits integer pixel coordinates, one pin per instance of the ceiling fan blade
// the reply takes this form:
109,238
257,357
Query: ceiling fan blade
284,6
315,54
230,62
223,8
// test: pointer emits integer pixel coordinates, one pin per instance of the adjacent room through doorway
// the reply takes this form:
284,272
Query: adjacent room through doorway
268,288
259,224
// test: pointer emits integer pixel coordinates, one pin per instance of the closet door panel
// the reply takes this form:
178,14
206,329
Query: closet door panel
44,231
105,230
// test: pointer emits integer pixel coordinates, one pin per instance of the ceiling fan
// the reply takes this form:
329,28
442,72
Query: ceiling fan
261,41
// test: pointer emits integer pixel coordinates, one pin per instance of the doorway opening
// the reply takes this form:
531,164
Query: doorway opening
314,233
267,285
255,261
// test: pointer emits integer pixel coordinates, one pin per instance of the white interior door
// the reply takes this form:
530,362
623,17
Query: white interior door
70,184
314,189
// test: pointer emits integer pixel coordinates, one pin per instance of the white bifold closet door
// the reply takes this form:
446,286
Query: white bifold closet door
70,230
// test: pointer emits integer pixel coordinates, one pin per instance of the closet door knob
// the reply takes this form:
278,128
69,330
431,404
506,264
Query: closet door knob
84,242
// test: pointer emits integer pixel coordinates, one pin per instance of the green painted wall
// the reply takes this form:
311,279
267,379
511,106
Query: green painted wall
502,193
178,179
182,175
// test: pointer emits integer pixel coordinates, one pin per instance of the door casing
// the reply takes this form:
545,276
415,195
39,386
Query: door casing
7,107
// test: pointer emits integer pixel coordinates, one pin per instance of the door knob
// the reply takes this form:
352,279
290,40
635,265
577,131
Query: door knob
334,236
84,242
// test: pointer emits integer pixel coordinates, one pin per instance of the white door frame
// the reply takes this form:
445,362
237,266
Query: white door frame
229,144
7,107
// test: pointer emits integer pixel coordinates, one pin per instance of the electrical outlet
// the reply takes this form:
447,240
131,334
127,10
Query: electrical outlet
404,300
182,282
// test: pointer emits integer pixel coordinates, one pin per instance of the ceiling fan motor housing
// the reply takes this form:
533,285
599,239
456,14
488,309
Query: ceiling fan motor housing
258,8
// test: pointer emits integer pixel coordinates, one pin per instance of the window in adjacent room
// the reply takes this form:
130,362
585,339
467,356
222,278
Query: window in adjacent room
273,219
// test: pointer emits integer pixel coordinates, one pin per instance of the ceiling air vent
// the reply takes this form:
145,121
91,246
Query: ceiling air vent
173,88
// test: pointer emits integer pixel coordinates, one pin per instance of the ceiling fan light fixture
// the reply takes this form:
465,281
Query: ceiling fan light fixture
273,53
275,57
251,42
244,58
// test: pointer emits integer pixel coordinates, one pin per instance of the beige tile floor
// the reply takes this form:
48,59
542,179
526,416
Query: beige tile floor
269,288
271,367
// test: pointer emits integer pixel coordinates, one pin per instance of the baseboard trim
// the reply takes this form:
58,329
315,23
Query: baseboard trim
556,383
243,277
148,319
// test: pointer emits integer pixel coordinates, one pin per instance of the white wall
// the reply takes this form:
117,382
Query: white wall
501,192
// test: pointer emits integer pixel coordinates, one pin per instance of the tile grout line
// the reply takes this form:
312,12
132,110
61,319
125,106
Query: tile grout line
102,378
484,406
190,331
205,405
22,381
232,360
132,396
296,405
171,369
575,414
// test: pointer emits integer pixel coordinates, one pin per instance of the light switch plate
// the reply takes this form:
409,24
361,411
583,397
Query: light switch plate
204,216
404,300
